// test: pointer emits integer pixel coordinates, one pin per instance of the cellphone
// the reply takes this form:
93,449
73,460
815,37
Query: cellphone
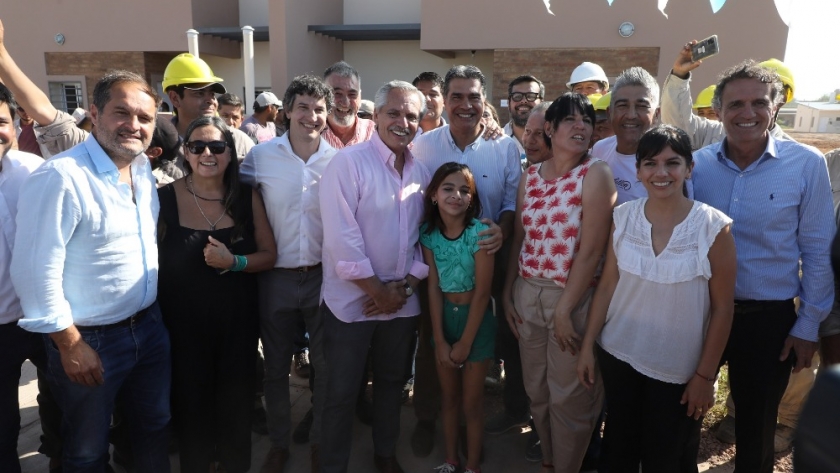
706,48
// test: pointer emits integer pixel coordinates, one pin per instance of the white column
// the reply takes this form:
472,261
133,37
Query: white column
192,42
248,64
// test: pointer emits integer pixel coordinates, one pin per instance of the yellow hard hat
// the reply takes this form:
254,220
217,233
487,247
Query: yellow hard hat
784,73
603,103
704,98
187,69
593,98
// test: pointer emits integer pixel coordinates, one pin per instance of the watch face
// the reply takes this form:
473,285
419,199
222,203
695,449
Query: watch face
408,290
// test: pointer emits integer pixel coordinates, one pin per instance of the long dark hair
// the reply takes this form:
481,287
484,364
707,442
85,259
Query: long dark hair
234,202
431,216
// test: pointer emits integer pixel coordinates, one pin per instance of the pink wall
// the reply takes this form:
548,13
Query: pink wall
746,28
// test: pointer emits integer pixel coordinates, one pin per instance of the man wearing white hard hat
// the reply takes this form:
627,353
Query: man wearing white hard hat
588,78
260,125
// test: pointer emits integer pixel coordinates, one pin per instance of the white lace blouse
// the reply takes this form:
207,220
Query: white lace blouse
659,314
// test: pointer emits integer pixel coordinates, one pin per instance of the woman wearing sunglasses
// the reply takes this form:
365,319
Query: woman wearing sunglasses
213,235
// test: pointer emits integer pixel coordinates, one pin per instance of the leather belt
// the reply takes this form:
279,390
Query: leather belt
304,269
122,323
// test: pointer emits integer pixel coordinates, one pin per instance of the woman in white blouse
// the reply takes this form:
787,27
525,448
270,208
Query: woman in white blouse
661,314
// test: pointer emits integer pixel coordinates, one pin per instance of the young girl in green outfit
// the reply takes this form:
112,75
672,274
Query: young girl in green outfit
463,325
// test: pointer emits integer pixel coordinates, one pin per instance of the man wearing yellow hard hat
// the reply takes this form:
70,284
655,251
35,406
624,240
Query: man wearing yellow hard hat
677,105
192,87
603,126
703,105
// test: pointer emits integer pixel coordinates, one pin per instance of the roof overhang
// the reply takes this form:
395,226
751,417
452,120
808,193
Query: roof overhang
374,32
234,33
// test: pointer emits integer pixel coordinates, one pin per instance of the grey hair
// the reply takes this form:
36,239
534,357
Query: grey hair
540,108
637,76
749,69
342,69
464,72
381,97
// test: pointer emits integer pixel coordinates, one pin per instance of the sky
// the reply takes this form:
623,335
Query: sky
813,49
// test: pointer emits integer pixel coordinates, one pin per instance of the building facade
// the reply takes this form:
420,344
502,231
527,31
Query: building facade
383,39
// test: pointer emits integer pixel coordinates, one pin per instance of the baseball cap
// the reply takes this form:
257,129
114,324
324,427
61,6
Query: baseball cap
267,98
366,107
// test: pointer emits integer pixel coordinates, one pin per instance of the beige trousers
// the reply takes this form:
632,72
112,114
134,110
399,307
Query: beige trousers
564,410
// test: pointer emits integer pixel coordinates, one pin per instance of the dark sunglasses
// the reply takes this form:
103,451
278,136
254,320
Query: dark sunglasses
197,146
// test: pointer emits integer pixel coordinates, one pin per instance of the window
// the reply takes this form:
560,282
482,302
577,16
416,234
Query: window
812,122
800,122
66,96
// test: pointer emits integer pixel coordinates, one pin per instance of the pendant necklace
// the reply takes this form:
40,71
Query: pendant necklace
212,224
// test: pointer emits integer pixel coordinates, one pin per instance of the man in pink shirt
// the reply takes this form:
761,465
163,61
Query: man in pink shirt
344,127
371,207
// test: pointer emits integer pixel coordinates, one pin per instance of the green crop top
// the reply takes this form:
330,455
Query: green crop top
454,258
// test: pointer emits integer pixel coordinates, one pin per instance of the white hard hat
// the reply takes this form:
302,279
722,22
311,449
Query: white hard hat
587,71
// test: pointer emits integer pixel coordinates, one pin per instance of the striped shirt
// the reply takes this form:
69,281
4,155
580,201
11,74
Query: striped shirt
494,163
781,206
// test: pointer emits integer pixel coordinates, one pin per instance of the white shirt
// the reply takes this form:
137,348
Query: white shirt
623,167
508,130
90,257
289,187
494,164
659,313
15,167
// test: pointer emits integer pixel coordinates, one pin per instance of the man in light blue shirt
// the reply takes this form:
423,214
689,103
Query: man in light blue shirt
85,268
778,194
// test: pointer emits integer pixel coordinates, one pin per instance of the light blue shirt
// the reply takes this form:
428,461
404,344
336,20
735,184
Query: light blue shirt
84,253
494,164
781,206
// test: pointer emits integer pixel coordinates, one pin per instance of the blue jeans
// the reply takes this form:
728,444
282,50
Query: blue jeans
137,372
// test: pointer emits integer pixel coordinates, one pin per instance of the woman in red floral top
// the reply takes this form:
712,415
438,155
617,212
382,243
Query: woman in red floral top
558,253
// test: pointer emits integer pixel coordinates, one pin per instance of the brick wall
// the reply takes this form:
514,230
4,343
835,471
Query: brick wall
554,67
94,65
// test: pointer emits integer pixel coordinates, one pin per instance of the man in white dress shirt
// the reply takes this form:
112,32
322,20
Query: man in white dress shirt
287,171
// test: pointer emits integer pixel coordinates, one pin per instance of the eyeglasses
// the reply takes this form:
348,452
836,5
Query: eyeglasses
198,146
530,96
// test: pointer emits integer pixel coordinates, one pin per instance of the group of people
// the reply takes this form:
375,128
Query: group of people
141,263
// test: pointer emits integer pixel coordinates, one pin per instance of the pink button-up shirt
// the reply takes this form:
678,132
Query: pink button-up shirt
371,220
365,129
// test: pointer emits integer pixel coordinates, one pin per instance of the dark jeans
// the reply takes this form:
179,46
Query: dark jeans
426,383
137,369
646,423
18,345
346,347
757,378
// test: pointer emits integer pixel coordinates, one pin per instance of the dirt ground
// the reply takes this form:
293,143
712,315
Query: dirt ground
825,142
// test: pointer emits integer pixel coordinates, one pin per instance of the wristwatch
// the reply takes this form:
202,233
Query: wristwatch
408,290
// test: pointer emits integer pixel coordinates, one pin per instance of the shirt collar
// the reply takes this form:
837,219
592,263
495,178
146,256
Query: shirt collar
384,152
474,145
284,142
770,151
101,161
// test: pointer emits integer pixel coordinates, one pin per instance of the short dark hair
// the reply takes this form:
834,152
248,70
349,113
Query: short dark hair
231,99
102,90
260,109
526,78
657,138
660,136
234,203
166,138
432,213
464,72
306,85
566,105
8,98
432,77
342,69
749,69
